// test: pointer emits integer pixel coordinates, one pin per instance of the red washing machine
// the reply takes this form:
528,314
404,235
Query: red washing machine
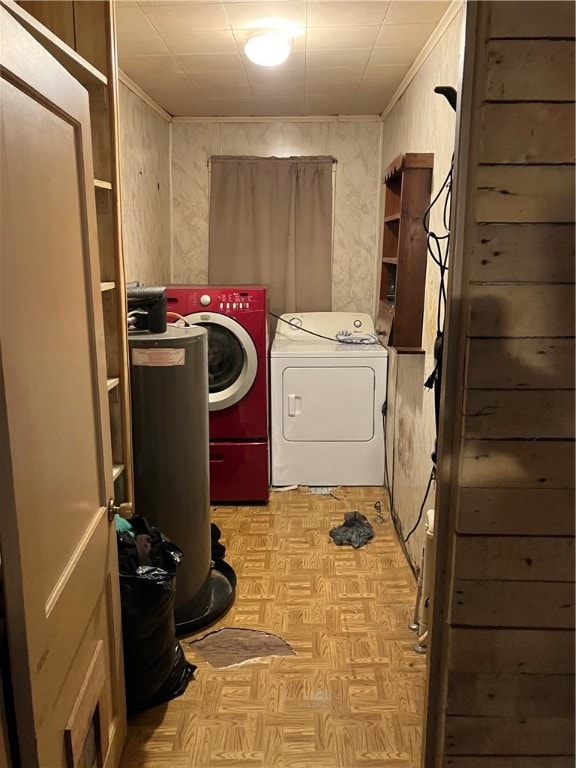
236,318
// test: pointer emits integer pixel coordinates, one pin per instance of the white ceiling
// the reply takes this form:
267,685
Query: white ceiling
348,57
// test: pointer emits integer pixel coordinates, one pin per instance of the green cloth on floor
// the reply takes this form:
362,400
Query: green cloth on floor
122,525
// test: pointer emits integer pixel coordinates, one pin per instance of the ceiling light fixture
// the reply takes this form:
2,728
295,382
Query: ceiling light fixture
267,49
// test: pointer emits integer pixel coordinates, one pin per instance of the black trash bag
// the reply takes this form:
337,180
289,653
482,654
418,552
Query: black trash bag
155,668
356,530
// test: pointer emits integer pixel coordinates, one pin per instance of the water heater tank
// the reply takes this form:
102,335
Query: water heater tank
169,387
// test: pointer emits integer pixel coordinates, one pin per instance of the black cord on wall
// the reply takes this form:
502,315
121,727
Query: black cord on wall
438,247
421,512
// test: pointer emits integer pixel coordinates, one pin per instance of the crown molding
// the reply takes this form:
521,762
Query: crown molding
131,85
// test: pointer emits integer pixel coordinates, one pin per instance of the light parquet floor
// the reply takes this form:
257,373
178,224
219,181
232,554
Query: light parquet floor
351,697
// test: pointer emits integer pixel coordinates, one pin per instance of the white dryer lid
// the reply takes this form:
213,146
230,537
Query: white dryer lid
310,326
306,334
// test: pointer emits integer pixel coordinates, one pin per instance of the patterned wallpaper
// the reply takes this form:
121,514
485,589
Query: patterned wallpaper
355,145
153,257
145,173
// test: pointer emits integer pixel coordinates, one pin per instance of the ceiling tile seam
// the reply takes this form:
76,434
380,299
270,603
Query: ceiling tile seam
361,79
352,99
237,41
173,55
369,58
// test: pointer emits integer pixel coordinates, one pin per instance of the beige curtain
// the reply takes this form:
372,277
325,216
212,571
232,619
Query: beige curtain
271,223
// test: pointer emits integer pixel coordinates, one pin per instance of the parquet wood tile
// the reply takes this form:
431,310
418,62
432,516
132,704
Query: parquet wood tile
351,696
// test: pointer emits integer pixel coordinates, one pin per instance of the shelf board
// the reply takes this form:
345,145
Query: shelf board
117,470
107,286
389,260
78,67
386,306
112,383
100,184
410,350
392,217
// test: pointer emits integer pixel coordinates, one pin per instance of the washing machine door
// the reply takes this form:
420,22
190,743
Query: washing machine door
232,359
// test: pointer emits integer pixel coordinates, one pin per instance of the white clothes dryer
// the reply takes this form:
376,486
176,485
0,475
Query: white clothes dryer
328,376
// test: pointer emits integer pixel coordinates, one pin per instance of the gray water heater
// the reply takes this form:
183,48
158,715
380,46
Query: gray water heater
169,387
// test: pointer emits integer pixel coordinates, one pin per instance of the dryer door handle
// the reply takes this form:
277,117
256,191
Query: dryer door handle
294,405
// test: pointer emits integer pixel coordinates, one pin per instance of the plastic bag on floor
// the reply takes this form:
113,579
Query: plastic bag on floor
155,668
356,530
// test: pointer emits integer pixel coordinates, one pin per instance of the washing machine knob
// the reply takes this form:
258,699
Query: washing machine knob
205,300
357,323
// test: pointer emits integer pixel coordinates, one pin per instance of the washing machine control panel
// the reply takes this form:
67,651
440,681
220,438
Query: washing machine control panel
187,299
238,300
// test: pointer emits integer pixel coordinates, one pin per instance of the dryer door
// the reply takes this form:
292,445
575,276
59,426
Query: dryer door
331,404
232,359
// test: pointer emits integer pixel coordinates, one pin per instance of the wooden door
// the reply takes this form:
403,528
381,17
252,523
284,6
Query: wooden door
58,548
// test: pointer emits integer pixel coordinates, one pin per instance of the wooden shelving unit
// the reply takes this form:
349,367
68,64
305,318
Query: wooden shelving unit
408,182
81,36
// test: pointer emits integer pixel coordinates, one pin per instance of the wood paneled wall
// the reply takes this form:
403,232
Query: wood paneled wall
503,640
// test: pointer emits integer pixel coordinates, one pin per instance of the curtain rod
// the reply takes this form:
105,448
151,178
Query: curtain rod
252,159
